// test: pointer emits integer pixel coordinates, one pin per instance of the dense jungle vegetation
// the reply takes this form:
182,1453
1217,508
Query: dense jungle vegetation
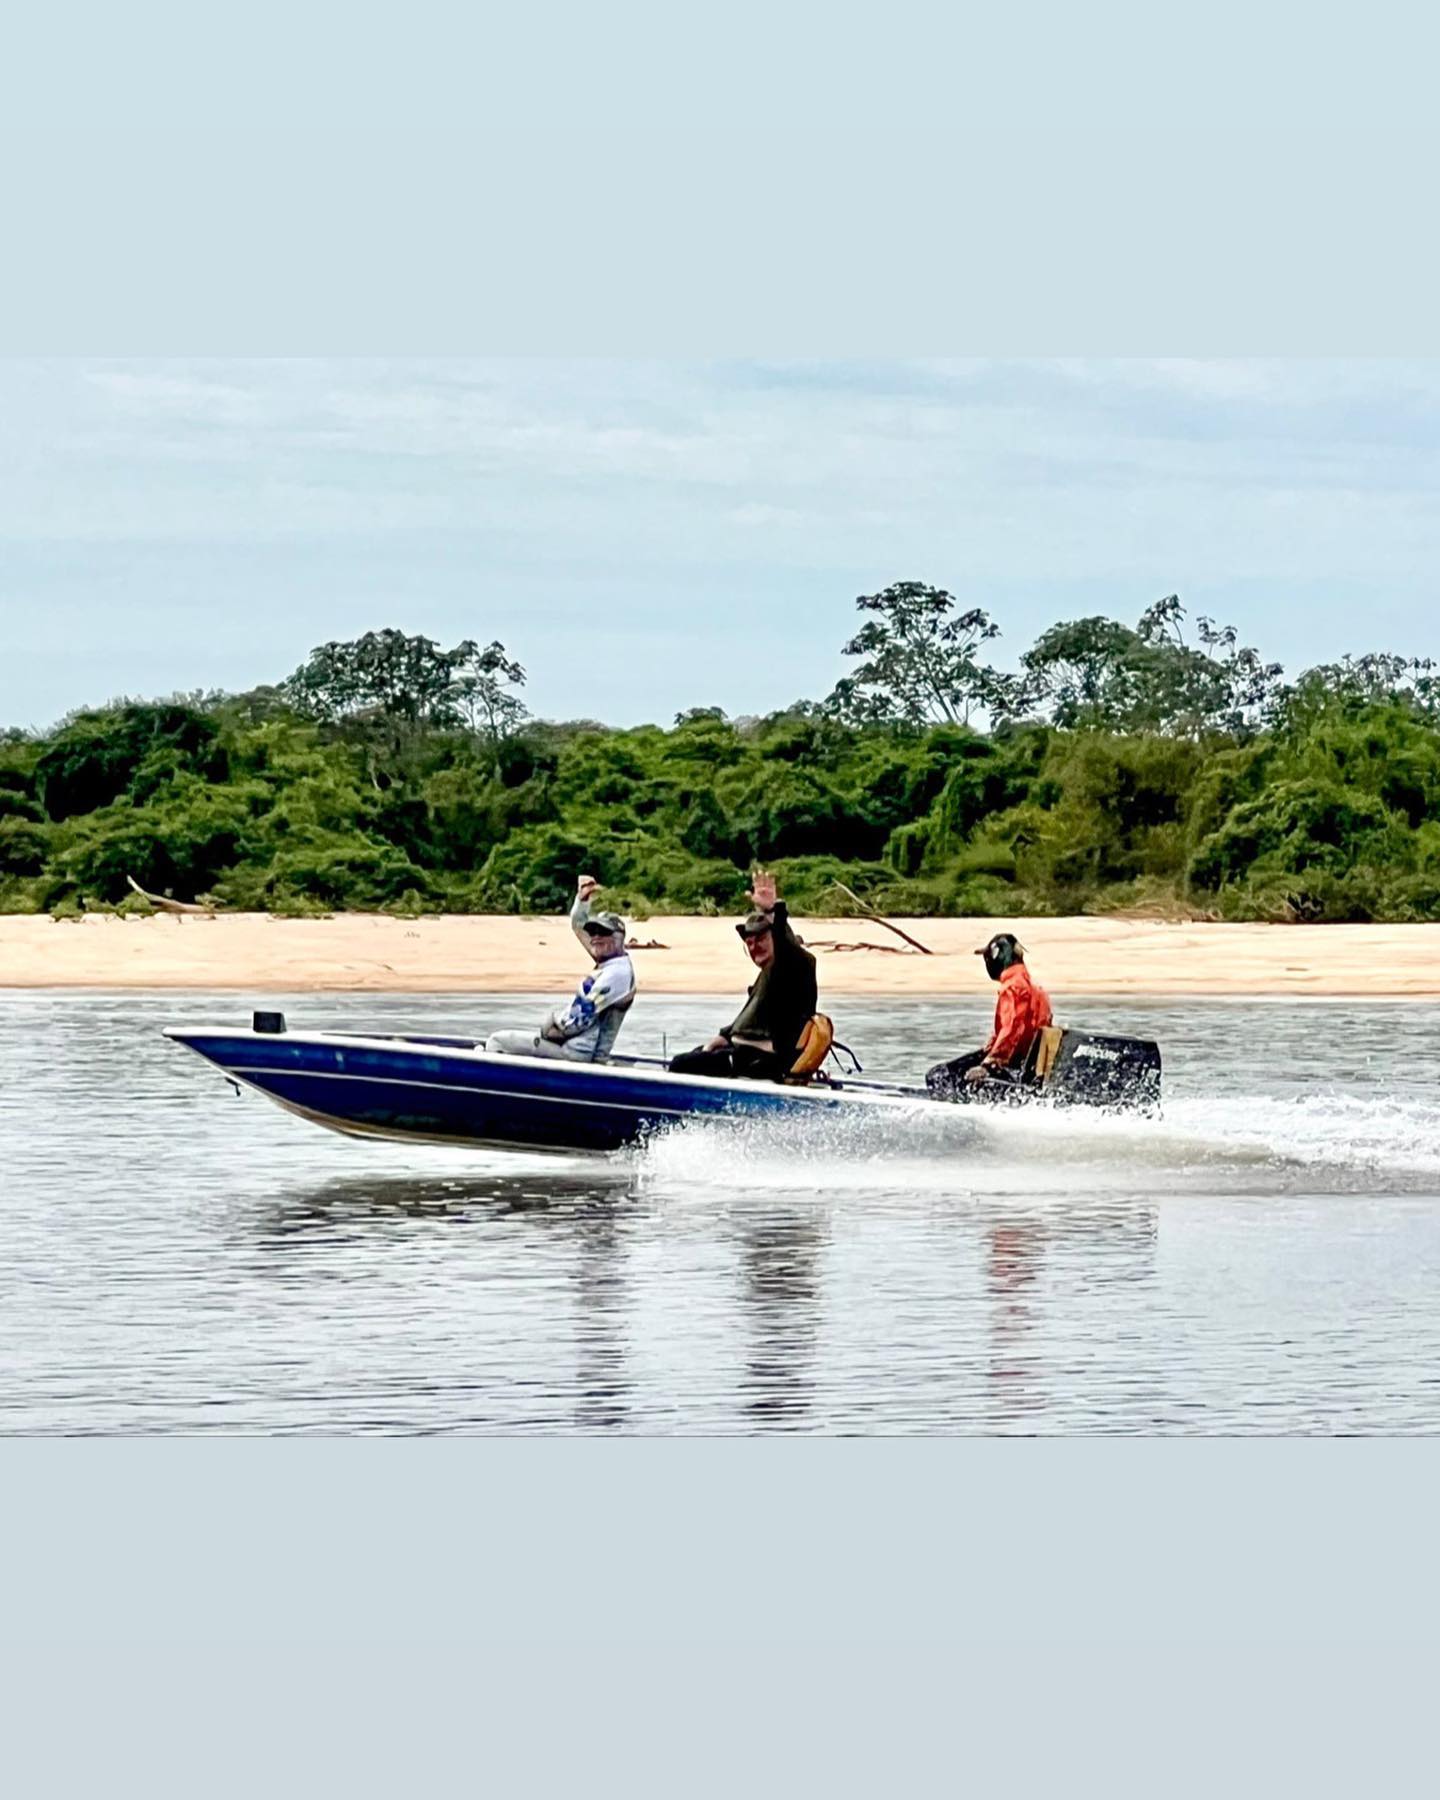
1153,768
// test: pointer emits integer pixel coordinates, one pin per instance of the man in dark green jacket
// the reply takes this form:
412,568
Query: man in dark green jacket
760,1043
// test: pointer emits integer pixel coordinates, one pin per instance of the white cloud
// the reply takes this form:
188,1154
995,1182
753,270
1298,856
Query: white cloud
1036,486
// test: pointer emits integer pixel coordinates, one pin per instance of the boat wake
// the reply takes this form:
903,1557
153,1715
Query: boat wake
1317,1143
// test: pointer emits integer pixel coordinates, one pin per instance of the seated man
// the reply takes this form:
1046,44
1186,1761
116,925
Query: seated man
761,1042
584,1031
1022,1010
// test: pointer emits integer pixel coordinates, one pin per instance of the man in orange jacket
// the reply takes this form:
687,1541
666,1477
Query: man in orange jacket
1022,1010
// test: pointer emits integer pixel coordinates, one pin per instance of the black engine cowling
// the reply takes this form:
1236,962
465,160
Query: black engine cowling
1104,1071
1070,1068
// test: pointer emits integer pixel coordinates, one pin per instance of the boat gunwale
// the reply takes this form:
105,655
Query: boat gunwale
829,1092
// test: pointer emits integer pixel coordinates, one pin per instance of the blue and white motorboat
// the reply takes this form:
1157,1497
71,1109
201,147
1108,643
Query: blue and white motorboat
444,1090
449,1090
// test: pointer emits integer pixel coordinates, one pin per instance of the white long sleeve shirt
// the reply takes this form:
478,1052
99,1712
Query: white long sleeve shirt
591,1023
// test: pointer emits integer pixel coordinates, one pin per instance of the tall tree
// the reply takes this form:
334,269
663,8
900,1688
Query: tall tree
394,688
1356,682
1084,674
483,691
1096,674
1218,685
921,663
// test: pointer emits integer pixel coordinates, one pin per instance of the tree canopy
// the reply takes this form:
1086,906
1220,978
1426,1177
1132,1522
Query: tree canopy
921,664
390,689
1156,765
1097,675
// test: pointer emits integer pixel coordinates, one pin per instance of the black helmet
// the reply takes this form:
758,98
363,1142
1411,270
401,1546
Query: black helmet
1002,950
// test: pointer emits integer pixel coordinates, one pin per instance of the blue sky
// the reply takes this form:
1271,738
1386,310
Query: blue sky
651,536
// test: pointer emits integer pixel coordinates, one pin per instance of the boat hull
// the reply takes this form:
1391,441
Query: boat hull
429,1091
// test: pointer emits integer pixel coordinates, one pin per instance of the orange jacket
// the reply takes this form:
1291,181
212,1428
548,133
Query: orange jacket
1022,1007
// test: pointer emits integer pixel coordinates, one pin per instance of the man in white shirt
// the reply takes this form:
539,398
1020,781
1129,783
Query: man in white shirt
586,1029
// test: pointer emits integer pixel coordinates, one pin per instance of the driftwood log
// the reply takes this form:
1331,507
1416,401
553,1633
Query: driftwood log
830,944
880,919
176,908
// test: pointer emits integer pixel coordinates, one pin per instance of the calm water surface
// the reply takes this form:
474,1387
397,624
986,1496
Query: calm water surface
1263,1258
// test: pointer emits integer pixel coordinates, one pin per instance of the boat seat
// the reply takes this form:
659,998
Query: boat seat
813,1048
1047,1047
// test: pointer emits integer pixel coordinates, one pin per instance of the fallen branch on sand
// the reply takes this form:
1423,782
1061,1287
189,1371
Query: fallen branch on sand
163,903
880,919
885,949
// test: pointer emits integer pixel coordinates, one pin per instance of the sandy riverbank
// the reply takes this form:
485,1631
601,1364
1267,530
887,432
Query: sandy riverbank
253,953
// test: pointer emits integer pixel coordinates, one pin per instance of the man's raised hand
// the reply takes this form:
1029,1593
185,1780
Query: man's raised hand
762,890
585,887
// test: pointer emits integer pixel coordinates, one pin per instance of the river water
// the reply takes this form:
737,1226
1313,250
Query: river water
1263,1257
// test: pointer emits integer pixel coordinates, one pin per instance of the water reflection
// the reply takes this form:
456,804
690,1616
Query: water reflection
1092,1247
780,1277
350,1205
558,1259
602,1394
1013,1254
173,1260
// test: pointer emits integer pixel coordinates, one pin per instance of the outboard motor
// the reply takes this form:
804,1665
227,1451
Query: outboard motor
1091,1070
1072,1068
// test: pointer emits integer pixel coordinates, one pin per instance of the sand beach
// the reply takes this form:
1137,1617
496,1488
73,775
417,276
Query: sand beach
257,953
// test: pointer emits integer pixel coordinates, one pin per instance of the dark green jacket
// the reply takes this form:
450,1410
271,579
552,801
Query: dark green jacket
783,998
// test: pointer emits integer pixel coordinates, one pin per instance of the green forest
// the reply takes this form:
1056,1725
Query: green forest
1161,767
